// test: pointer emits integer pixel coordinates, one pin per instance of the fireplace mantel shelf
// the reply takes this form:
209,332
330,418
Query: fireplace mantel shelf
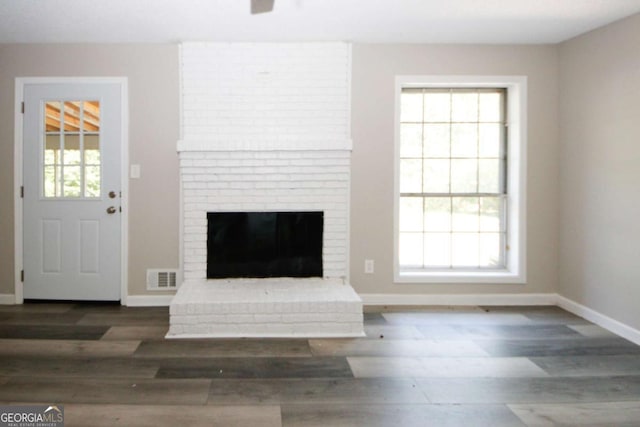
263,144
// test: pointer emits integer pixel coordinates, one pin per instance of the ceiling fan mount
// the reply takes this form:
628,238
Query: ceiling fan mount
261,6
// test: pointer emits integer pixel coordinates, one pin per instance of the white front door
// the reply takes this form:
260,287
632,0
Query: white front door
72,221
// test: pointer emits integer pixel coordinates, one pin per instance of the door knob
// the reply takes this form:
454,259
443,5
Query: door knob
111,210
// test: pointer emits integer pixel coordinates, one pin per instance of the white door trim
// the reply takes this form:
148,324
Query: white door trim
18,180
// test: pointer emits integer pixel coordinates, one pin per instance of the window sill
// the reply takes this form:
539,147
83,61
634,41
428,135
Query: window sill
459,277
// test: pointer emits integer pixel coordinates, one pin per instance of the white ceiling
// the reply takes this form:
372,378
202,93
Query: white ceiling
375,21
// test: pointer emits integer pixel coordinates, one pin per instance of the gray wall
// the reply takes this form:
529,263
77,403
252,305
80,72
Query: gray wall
600,174
154,123
583,153
374,70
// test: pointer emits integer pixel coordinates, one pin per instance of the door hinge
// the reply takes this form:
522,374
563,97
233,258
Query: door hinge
22,191
23,107
22,276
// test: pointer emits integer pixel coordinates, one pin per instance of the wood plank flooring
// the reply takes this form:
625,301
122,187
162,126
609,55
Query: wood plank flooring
473,366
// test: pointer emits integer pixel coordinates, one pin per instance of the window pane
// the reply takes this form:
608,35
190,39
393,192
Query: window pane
410,250
437,106
71,154
410,140
489,173
490,107
411,105
410,176
490,249
437,250
464,140
437,214
72,181
437,140
490,214
52,150
452,147
91,115
436,176
464,249
92,149
92,181
52,116
464,107
411,214
490,140
465,214
71,116
52,181
464,176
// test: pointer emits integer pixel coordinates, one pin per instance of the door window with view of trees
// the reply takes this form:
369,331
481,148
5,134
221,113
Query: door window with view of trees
71,152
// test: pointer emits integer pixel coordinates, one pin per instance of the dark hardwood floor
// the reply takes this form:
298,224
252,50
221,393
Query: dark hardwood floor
474,366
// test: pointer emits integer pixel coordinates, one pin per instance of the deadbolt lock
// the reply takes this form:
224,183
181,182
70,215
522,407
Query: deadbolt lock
112,194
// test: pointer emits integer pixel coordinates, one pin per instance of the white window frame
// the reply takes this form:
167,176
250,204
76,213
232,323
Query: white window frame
515,257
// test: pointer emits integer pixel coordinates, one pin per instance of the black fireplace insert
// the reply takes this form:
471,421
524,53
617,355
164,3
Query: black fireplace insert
264,244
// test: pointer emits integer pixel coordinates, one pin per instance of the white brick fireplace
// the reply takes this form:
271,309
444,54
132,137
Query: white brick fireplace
265,129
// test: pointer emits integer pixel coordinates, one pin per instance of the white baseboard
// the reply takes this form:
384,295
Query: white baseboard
149,300
463,299
7,299
600,319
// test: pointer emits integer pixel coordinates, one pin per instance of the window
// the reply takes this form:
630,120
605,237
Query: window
71,152
459,180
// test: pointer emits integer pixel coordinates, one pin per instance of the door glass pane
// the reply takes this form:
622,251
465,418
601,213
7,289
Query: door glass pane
52,181
91,116
52,116
71,161
52,150
71,181
92,149
92,181
71,117
71,154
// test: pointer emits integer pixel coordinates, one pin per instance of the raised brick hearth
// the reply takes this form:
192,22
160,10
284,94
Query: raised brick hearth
266,308
265,128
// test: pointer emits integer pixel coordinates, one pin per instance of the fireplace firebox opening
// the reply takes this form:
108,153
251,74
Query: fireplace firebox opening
264,244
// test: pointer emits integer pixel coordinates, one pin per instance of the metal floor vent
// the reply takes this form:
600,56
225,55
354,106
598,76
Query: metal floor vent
161,280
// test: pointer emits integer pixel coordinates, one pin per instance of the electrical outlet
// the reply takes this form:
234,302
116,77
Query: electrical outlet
368,266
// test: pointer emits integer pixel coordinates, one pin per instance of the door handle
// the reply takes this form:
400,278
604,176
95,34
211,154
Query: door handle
111,210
